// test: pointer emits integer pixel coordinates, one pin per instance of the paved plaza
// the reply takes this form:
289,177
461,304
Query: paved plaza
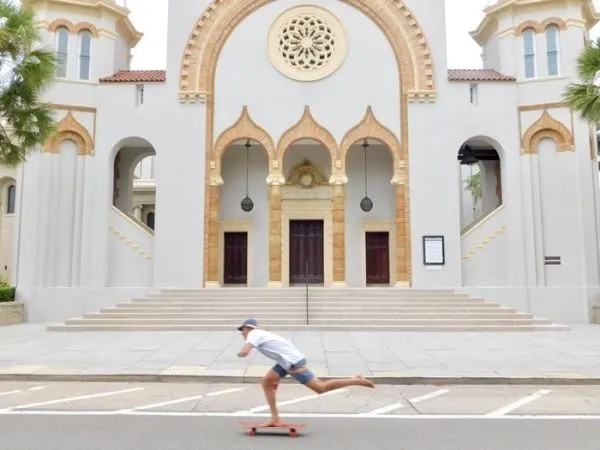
29,349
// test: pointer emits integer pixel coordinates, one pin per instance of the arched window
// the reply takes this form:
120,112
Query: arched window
85,46
552,49
62,51
150,220
529,51
11,198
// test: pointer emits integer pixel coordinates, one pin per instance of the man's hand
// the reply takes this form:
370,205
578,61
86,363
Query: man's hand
245,351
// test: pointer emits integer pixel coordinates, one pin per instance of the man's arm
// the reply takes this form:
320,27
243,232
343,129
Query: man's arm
246,349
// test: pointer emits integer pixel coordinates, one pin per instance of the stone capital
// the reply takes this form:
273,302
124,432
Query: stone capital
215,180
338,179
275,179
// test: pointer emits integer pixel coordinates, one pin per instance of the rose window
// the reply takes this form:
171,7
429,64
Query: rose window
307,43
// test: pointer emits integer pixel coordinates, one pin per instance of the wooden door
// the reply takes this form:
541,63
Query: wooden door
378,257
235,261
306,252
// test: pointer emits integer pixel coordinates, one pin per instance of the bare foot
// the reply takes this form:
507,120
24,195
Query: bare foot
272,423
364,382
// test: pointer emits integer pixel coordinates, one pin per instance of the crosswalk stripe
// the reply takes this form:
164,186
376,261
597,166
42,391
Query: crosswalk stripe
156,405
512,406
226,391
294,401
71,399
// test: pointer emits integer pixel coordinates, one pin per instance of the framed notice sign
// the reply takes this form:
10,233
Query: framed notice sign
433,251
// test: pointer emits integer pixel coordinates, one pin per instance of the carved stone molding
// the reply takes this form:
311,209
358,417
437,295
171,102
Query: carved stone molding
243,128
221,17
73,28
306,128
547,127
540,27
70,129
370,127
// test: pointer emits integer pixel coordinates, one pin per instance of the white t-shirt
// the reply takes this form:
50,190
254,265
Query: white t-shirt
275,347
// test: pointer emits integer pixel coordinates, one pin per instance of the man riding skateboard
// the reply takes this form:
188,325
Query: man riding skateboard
290,361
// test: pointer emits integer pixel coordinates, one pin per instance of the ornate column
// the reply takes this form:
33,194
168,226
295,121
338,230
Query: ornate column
137,212
275,181
214,188
403,256
339,181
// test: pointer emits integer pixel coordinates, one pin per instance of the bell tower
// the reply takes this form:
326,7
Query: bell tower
92,38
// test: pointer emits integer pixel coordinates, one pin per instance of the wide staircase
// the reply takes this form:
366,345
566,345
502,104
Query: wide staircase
357,309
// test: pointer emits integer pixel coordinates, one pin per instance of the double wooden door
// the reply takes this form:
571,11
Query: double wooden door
378,257
306,252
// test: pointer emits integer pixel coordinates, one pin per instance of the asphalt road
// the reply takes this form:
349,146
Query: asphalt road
182,433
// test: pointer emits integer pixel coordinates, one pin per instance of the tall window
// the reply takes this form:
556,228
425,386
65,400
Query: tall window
85,44
62,51
529,48
552,49
11,198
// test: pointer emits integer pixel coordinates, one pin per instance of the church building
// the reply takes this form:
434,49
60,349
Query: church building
324,144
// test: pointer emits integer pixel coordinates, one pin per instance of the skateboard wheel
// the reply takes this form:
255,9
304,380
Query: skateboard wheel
251,432
293,434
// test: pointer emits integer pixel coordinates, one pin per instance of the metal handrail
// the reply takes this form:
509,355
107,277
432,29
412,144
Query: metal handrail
306,285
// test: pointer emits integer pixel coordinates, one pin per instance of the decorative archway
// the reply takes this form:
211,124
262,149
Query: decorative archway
306,128
415,66
70,129
217,22
547,127
243,128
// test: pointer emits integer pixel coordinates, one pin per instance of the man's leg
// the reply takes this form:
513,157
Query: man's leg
270,383
307,378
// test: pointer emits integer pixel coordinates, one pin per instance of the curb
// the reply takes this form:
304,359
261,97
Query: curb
225,379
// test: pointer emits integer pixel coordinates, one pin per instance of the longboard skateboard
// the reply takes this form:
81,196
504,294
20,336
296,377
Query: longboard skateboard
291,427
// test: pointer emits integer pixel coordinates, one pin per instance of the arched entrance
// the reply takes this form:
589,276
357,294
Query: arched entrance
199,61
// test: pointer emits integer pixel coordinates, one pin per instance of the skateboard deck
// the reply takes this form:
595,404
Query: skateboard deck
291,427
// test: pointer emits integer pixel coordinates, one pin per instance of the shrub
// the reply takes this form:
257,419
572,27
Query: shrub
7,292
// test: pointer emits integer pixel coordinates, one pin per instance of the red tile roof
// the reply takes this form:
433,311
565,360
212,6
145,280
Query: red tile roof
136,76
477,75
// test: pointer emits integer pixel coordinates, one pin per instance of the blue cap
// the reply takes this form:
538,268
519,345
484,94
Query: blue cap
250,323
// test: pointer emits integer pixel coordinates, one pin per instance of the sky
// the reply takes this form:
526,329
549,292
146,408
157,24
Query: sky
463,52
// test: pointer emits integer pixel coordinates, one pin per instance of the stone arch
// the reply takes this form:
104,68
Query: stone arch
56,24
243,128
306,128
540,27
83,26
221,17
370,127
547,127
70,128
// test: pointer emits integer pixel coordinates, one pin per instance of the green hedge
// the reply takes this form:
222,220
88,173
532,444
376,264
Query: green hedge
7,294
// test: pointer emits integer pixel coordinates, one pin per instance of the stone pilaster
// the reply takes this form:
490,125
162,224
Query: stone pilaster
275,182
339,182
403,256
212,275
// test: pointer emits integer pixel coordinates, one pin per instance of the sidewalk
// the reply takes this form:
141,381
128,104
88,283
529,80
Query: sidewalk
28,351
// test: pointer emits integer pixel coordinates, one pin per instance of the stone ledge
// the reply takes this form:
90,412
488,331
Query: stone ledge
12,313
596,314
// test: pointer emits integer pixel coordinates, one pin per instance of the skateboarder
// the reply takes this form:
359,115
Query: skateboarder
290,361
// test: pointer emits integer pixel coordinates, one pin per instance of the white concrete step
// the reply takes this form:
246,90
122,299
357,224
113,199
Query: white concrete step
268,321
311,300
272,315
344,327
246,311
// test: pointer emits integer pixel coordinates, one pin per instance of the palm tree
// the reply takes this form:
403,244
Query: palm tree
584,97
26,70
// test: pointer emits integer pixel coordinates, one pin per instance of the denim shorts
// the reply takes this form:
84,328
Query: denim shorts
302,378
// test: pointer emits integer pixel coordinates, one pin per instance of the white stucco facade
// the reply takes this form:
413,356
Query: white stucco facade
141,189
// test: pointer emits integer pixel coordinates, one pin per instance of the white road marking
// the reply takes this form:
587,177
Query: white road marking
512,406
226,391
71,399
10,392
291,402
156,405
300,415
430,395
396,406
37,388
